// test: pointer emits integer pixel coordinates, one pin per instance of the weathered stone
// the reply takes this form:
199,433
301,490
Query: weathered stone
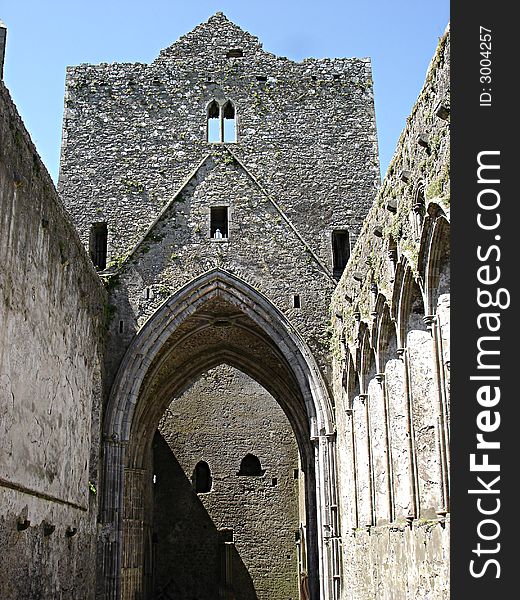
51,354
206,333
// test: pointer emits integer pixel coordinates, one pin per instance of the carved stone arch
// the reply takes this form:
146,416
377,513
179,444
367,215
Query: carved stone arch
351,385
229,110
437,272
400,273
386,346
198,327
376,321
367,361
213,109
418,207
410,308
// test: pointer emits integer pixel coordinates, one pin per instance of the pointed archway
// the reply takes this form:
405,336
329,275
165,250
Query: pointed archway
217,318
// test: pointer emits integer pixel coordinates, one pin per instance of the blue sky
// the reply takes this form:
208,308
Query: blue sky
44,38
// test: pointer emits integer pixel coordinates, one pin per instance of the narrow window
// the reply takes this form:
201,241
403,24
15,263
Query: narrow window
229,123
221,122
98,245
418,210
213,122
219,222
340,251
121,326
202,480
274,481
251,466
296,301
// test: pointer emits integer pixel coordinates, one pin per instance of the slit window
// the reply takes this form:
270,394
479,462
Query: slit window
251,466
340,251
228,122
213,122
98,245
297,303
202,480
219,222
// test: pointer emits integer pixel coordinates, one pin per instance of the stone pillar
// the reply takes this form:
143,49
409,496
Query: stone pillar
432,324
133,535
111,517
412,466
335,529
327,523
380,377
400,443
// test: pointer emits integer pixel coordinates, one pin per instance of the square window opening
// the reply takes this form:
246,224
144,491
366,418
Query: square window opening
219,222
235,53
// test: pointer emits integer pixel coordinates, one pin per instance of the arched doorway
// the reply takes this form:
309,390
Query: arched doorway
226,494
217,318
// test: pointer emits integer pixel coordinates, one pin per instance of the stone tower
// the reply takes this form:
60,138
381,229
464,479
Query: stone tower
229,377
219,190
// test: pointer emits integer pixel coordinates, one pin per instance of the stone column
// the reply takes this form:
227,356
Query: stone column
414,492
431,323
111,516
380,377
133,535
327,517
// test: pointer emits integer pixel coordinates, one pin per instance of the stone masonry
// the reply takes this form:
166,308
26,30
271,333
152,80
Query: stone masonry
390,314
131,390
52,333
208,423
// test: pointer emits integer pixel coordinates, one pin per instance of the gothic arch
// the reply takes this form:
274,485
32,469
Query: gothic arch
437,275
410,305
198,327
386,346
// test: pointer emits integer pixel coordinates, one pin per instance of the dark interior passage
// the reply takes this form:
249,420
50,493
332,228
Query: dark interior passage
193,560
226,502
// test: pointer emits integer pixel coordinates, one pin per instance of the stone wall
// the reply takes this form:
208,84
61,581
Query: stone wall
135,156
390,315
220,419
51,340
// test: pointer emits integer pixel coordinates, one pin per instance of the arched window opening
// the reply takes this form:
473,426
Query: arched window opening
251,466
202,480
419,209
229,125
213,122
221,126
98,245
392,256
340,251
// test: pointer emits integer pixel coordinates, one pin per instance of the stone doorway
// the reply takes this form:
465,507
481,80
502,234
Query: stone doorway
222,529
216,320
